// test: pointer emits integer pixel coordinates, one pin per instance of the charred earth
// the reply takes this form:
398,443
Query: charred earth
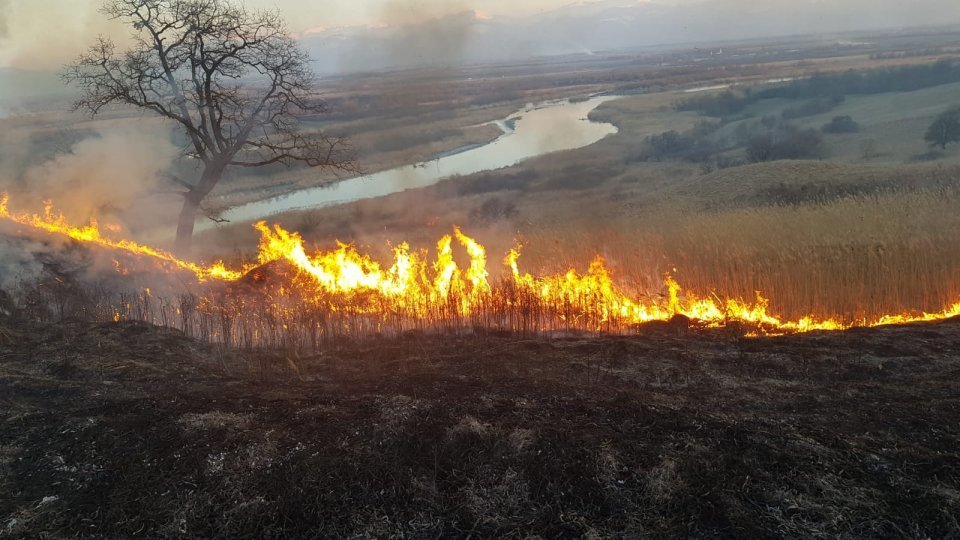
130,430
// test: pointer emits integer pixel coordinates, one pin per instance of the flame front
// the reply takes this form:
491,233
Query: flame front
417,288
55,222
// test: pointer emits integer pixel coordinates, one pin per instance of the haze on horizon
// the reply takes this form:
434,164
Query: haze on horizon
45,34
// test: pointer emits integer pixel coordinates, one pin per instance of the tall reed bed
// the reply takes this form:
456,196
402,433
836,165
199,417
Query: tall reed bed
857,257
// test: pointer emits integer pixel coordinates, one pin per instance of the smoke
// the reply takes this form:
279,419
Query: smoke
114,175
416,33
15,154
4,13
408,12
45,34
19,259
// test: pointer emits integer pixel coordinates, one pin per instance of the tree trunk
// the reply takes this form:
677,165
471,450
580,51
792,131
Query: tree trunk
188,216
191,203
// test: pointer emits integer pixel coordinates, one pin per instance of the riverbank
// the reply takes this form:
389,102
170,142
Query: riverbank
537,130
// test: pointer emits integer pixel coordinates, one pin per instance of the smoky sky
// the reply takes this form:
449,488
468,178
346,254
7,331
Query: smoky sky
4,9
45,34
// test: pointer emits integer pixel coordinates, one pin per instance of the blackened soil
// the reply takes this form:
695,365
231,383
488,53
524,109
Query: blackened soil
127,430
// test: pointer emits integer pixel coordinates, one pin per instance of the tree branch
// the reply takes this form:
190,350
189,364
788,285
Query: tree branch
231,79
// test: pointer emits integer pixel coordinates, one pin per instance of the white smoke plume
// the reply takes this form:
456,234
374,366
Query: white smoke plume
4,10
116,177
419,32
113,175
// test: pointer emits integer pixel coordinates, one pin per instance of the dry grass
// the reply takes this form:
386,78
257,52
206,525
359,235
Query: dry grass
859,256
815,238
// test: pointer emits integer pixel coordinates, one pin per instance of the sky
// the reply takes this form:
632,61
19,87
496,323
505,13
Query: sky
46,34
313,13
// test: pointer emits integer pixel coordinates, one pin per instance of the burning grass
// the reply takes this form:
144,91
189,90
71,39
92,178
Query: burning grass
858,257
296,298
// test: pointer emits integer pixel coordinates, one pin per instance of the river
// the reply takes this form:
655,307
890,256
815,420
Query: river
533,131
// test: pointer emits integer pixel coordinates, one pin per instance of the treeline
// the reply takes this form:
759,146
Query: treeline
767,139
828,88
722,105
696,145
784,142
874,81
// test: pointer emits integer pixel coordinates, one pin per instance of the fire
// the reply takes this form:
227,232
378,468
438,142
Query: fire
55,222
404,285
414,287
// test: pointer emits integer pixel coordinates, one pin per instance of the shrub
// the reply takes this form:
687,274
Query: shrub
494,209
668,143
719,105
841,124
788,142
695,146
945,129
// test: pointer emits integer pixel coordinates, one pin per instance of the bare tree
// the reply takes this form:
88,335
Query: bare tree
233,80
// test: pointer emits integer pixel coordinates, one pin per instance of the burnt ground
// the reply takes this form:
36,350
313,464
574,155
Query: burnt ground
127,430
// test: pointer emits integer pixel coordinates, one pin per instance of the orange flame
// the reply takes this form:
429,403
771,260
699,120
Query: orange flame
415,286
55,222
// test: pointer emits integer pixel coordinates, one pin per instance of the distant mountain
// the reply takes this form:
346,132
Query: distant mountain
587,27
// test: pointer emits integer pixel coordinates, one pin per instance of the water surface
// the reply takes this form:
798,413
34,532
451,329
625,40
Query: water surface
533,131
